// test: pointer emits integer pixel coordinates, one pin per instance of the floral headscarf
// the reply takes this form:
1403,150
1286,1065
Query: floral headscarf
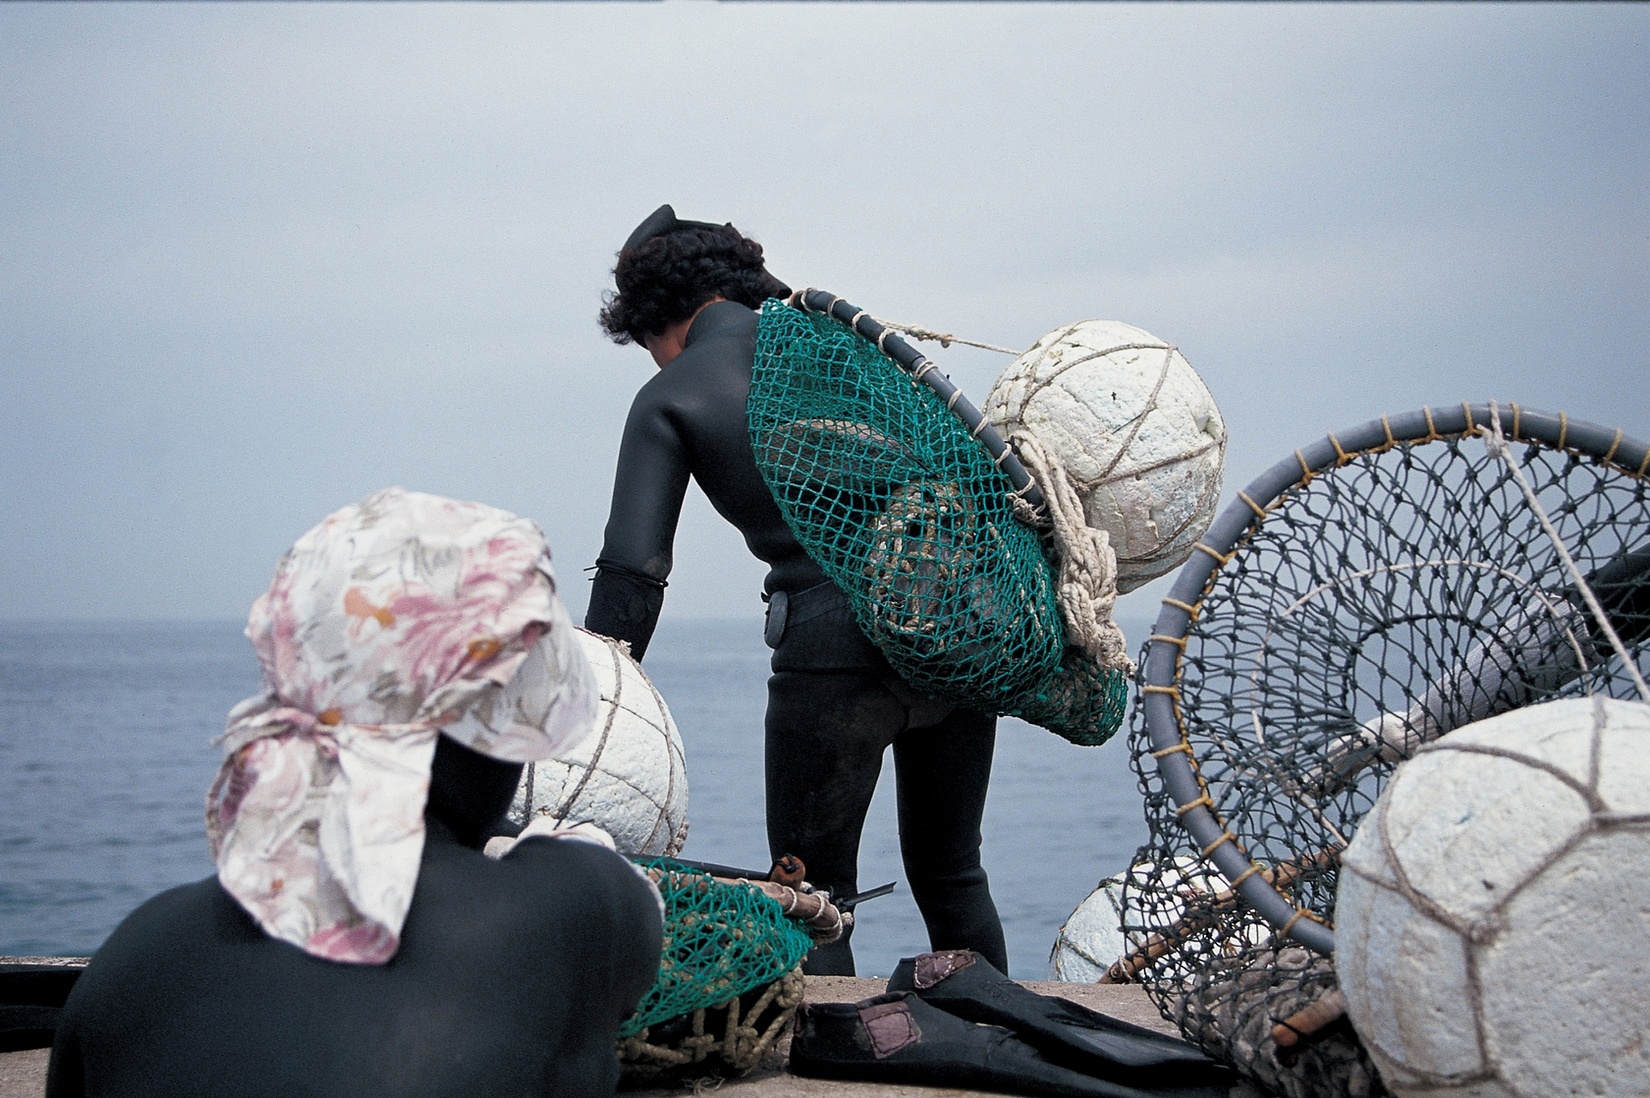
393,621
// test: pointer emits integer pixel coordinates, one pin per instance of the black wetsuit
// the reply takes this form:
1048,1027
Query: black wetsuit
511,980
834,704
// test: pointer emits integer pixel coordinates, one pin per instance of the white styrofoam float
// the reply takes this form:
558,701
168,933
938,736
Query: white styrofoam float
629,776
1137,430
1492,928
1093,938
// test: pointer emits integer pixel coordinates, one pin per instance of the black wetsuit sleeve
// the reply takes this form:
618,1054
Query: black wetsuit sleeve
624,605
611,934
648,487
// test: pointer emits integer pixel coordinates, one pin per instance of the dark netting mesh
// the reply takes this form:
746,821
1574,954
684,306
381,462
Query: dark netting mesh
905,511
1386,597
721,941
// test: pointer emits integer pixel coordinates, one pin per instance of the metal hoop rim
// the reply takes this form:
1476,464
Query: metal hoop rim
1160,695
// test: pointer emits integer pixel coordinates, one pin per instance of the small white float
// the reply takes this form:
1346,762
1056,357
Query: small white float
629,776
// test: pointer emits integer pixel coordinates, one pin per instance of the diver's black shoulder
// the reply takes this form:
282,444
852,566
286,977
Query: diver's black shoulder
717,359
721,320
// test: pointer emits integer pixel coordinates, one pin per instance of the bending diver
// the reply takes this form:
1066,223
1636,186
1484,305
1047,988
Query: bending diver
686,293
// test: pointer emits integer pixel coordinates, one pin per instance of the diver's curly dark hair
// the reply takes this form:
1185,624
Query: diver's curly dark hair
664,280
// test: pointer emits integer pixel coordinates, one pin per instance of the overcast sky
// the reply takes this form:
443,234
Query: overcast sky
259,261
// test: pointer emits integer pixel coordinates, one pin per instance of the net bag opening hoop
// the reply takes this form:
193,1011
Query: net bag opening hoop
924,370
1166,730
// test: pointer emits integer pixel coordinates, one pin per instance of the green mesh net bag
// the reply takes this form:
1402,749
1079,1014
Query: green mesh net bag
1081,702
884,474
729,979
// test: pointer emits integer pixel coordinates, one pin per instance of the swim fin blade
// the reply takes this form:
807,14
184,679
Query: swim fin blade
897,1038
964,984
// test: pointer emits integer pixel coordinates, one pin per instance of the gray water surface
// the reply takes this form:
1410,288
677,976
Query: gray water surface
105,758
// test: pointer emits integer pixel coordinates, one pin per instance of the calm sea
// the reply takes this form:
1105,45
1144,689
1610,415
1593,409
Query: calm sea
105,758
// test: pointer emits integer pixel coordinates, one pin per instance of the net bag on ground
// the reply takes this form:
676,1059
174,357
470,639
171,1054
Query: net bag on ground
729,981
1364,597
910,515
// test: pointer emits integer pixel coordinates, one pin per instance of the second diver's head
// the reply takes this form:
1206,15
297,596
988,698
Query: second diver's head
669,269
415,654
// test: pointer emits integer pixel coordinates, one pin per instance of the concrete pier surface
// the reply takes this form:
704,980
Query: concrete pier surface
23,1074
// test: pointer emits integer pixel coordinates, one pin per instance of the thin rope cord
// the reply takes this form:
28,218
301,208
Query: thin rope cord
944,339
1498,446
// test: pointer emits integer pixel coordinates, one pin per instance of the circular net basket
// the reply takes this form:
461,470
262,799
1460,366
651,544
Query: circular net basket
729,980
1361,598
894,485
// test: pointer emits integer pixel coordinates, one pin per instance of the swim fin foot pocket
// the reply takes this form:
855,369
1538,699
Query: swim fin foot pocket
951,1019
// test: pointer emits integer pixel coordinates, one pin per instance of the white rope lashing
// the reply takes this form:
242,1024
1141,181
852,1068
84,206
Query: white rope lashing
1088,563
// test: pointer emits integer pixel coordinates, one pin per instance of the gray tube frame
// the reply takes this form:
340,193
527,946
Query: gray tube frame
1232,527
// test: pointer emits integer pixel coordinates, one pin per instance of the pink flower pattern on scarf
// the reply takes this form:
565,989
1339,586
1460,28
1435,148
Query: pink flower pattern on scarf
395,620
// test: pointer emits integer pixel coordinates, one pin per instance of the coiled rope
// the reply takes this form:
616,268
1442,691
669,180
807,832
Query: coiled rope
1088,564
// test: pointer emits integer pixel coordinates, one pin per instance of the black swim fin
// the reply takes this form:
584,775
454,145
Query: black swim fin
898,1038
965,984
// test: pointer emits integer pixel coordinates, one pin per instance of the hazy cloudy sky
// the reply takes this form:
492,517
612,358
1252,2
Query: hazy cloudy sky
258,261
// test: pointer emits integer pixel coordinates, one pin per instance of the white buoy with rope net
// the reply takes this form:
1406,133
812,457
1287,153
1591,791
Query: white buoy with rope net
1506,969
1133,428
1092,946
630,777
